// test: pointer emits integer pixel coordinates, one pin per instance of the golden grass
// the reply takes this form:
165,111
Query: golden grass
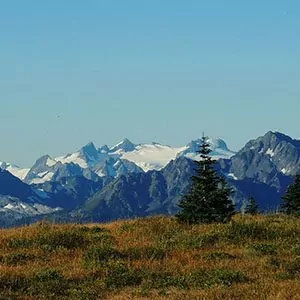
153,258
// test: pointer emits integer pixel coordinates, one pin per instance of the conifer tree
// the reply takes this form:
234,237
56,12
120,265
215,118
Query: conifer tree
251,207
208,199
291,200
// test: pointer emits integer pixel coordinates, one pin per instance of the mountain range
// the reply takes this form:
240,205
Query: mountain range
130,180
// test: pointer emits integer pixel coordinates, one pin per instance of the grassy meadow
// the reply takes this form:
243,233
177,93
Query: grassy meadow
252,257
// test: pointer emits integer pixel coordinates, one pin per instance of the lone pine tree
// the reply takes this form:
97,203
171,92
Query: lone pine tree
208,199
251,207
291,200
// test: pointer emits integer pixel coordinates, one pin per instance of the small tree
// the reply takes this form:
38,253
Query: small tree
291,200
208,199
251,207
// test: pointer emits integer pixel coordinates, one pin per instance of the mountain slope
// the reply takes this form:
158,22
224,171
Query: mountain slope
256,170
102,185
13,169
267,159
19,200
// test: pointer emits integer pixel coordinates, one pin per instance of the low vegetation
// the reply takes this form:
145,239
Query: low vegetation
251,257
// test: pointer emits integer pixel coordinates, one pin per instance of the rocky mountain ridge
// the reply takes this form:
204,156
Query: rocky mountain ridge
263,168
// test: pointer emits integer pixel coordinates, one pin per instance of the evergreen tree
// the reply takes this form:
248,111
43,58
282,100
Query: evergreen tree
251,207
208,199
291,200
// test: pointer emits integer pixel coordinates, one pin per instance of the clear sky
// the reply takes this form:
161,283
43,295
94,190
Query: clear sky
162,70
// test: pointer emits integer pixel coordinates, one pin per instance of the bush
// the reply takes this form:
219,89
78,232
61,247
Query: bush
176,239
48,275
274,262
264,249
92,230
54,239
296,249
127,227
48,282
150,253
293,267
283,276
103,239
97,256
88,290
20,243
119,276
239,231
219,255
13,283
15,259
162,280
206,278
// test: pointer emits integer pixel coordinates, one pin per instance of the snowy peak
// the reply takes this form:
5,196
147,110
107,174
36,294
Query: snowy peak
103,149
43,163
15,170
124,146
152,156
218,146
123,158
89,152
42,170
267,156
217,143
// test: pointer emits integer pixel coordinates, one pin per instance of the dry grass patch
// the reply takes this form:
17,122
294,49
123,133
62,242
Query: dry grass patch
253,257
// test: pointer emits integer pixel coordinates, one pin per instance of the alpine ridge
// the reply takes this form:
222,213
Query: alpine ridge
130,180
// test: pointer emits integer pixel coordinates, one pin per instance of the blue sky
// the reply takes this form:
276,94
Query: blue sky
78,71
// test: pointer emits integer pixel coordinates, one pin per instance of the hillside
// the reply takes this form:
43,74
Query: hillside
153,258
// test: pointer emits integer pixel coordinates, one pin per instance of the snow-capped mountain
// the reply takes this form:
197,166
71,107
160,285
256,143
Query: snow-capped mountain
218,146
267,159
121,159
149,156
156,156
19,200
86,185
17,209
15,170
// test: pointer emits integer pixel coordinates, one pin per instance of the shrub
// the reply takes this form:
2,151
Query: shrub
16,259
296,249
54,239
119,275
103,239
264,249
274,262
20,243
150,253
92,230
97,256
162,280
127,227
219,255
283,276
47,275
184,240
48,282
228,277
87,290
96,230
206,278
293,267
239,231
13,283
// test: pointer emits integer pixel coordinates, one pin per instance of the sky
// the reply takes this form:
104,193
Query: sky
165,71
